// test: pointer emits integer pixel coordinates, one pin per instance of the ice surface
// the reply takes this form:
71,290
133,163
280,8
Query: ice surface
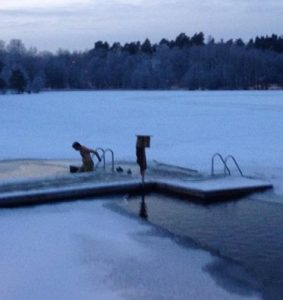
83,250
187,128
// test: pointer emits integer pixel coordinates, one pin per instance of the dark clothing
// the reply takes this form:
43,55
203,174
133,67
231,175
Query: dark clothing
141,159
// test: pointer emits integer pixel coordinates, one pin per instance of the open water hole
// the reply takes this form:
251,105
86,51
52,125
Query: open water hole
247,231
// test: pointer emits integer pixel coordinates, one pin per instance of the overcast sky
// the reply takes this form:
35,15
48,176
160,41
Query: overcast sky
77,24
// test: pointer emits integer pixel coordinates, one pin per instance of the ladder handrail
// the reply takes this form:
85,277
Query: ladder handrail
100,149
103,157
222,160
235,162
112,157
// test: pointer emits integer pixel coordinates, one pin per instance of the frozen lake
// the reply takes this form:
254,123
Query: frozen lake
85,250
97,251
187,128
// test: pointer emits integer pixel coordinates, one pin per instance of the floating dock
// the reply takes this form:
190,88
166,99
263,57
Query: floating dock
160,178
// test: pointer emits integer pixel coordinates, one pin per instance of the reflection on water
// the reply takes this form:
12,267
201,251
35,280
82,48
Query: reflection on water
143,209
248,231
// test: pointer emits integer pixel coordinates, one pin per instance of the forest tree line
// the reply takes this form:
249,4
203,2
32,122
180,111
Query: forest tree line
184,63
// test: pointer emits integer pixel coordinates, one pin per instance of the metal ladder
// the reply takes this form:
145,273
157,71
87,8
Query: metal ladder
225,161
103,154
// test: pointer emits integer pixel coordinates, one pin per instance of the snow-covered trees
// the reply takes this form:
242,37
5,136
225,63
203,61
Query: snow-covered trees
185,63
3,86
17,81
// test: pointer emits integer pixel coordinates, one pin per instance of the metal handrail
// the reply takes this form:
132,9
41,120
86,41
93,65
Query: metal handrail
112,157
103,157
100,149
226,169
235,162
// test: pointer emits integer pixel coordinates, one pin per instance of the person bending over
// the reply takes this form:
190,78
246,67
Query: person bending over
85,153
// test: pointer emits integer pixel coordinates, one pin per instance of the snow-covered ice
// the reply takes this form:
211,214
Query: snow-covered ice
187,128
83,250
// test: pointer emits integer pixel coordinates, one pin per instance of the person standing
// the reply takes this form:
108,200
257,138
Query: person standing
85,153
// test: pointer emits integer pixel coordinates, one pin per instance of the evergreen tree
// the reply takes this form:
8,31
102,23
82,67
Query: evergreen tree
116,47
101,45
132,48
198,39
3,85
18,81
1,66
182,40
239,43
146,47
164,42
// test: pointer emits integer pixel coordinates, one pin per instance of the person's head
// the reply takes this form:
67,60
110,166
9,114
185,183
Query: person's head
77,146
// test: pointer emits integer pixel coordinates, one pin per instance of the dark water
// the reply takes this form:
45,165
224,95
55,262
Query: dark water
247,231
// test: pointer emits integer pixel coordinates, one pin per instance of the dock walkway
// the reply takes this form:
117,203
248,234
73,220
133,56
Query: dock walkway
160,178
